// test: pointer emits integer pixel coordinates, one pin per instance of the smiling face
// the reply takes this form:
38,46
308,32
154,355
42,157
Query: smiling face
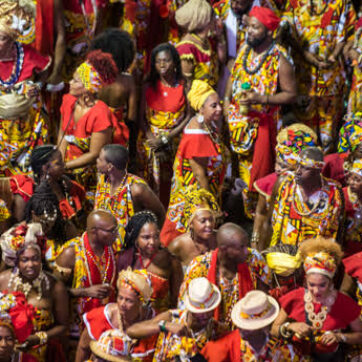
164,63
256,31
203,224
148,240
211,110
30,263
76,86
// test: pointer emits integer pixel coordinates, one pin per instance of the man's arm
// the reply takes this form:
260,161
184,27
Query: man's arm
83,349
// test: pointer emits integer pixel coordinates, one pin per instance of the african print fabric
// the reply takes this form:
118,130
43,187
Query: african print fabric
350,135
295,219
200,266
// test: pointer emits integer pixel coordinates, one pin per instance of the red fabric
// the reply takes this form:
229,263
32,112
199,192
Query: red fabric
174,100
197,145
74,5
353,266
33,63
266,16
244,277
333,167
97,119
44,27
189,48
121,131
168,232
266,184
224,349
264,149
22,185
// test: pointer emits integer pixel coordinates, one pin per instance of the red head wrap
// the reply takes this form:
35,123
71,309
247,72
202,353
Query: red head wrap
266,16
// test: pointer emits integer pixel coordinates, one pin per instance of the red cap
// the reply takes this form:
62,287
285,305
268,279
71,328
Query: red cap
266,16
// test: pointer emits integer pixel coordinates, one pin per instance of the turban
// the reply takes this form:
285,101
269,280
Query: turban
266,16
194,15
293,139
97,71
320,263
309,162
350,135
198,94
282,263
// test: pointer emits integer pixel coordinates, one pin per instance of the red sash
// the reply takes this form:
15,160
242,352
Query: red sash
244,277
44,34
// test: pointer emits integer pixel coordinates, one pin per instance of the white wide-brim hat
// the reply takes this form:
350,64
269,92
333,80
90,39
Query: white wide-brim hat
255,311
202,296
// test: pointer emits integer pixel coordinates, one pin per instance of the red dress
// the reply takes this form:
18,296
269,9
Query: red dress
333,167
266,184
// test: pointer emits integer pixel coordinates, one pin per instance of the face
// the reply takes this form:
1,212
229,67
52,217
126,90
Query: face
233,247
5,41
211,110
256,31
46,223
319,286
164,63
106,231
30,263
76,87
203,224
240,7
102,164
354,181
7,342
304,174
148,239
249,335
201,319
357,153
128,303
55,167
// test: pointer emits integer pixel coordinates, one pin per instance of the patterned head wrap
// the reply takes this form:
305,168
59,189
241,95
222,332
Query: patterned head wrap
198,94
137,281
309,162
320,263
195,201
350,135
194,15
356,167
293,139
97,71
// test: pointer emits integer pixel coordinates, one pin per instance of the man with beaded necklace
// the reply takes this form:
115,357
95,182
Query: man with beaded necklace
253,115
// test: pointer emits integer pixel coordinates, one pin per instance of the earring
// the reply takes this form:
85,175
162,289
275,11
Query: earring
200,118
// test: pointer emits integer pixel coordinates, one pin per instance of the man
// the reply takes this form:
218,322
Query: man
122,193
183,332
262,79
253,316
87,265
233,267
319,31
306,204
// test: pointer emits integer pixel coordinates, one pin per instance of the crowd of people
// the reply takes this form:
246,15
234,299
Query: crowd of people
180,180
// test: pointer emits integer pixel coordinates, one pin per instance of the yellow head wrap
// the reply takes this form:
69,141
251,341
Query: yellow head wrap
283,264
198,94
356,167
89,77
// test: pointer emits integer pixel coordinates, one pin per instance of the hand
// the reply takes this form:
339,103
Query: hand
180,329
31,341
300,329
251,98
154,143
33,91
315,60
329,338
54,78
331,59
99,291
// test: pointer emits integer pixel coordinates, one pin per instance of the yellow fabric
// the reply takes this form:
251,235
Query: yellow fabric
357,167
283,264
198,94
89,77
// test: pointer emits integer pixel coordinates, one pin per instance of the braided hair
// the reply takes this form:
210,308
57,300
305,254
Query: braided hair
135,224
45,201
40,156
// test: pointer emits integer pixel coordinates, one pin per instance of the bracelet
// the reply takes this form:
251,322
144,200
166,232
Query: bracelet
43,337
284,330
255,238
342,338
162,326
164,139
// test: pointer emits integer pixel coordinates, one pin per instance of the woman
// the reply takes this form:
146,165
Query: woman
47,318
199,217
47,165
144,252
165,108
43,224
290,141
22,122
87,123
200,57
7,341
199,159
134,293
319,315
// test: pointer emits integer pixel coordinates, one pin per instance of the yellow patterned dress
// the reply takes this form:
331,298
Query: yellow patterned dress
319,26
295,220
253,135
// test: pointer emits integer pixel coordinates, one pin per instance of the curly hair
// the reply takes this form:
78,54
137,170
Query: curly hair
319,244
104,64
154,76
118,43
135,225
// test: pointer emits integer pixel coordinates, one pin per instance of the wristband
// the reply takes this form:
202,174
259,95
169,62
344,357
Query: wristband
162,326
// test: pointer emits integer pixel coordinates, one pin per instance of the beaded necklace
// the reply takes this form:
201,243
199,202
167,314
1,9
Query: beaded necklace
261,62
18,66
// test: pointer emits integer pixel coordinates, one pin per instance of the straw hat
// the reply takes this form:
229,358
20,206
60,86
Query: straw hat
255,311
112,345
202,296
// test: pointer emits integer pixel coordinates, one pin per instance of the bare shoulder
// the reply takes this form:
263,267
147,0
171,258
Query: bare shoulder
177,244
67,258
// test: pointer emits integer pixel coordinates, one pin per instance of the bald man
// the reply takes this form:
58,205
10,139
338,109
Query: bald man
87,266
233,267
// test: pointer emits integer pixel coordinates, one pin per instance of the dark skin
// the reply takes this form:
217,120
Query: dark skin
286,79
55,299
7,344
143,197
102,232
